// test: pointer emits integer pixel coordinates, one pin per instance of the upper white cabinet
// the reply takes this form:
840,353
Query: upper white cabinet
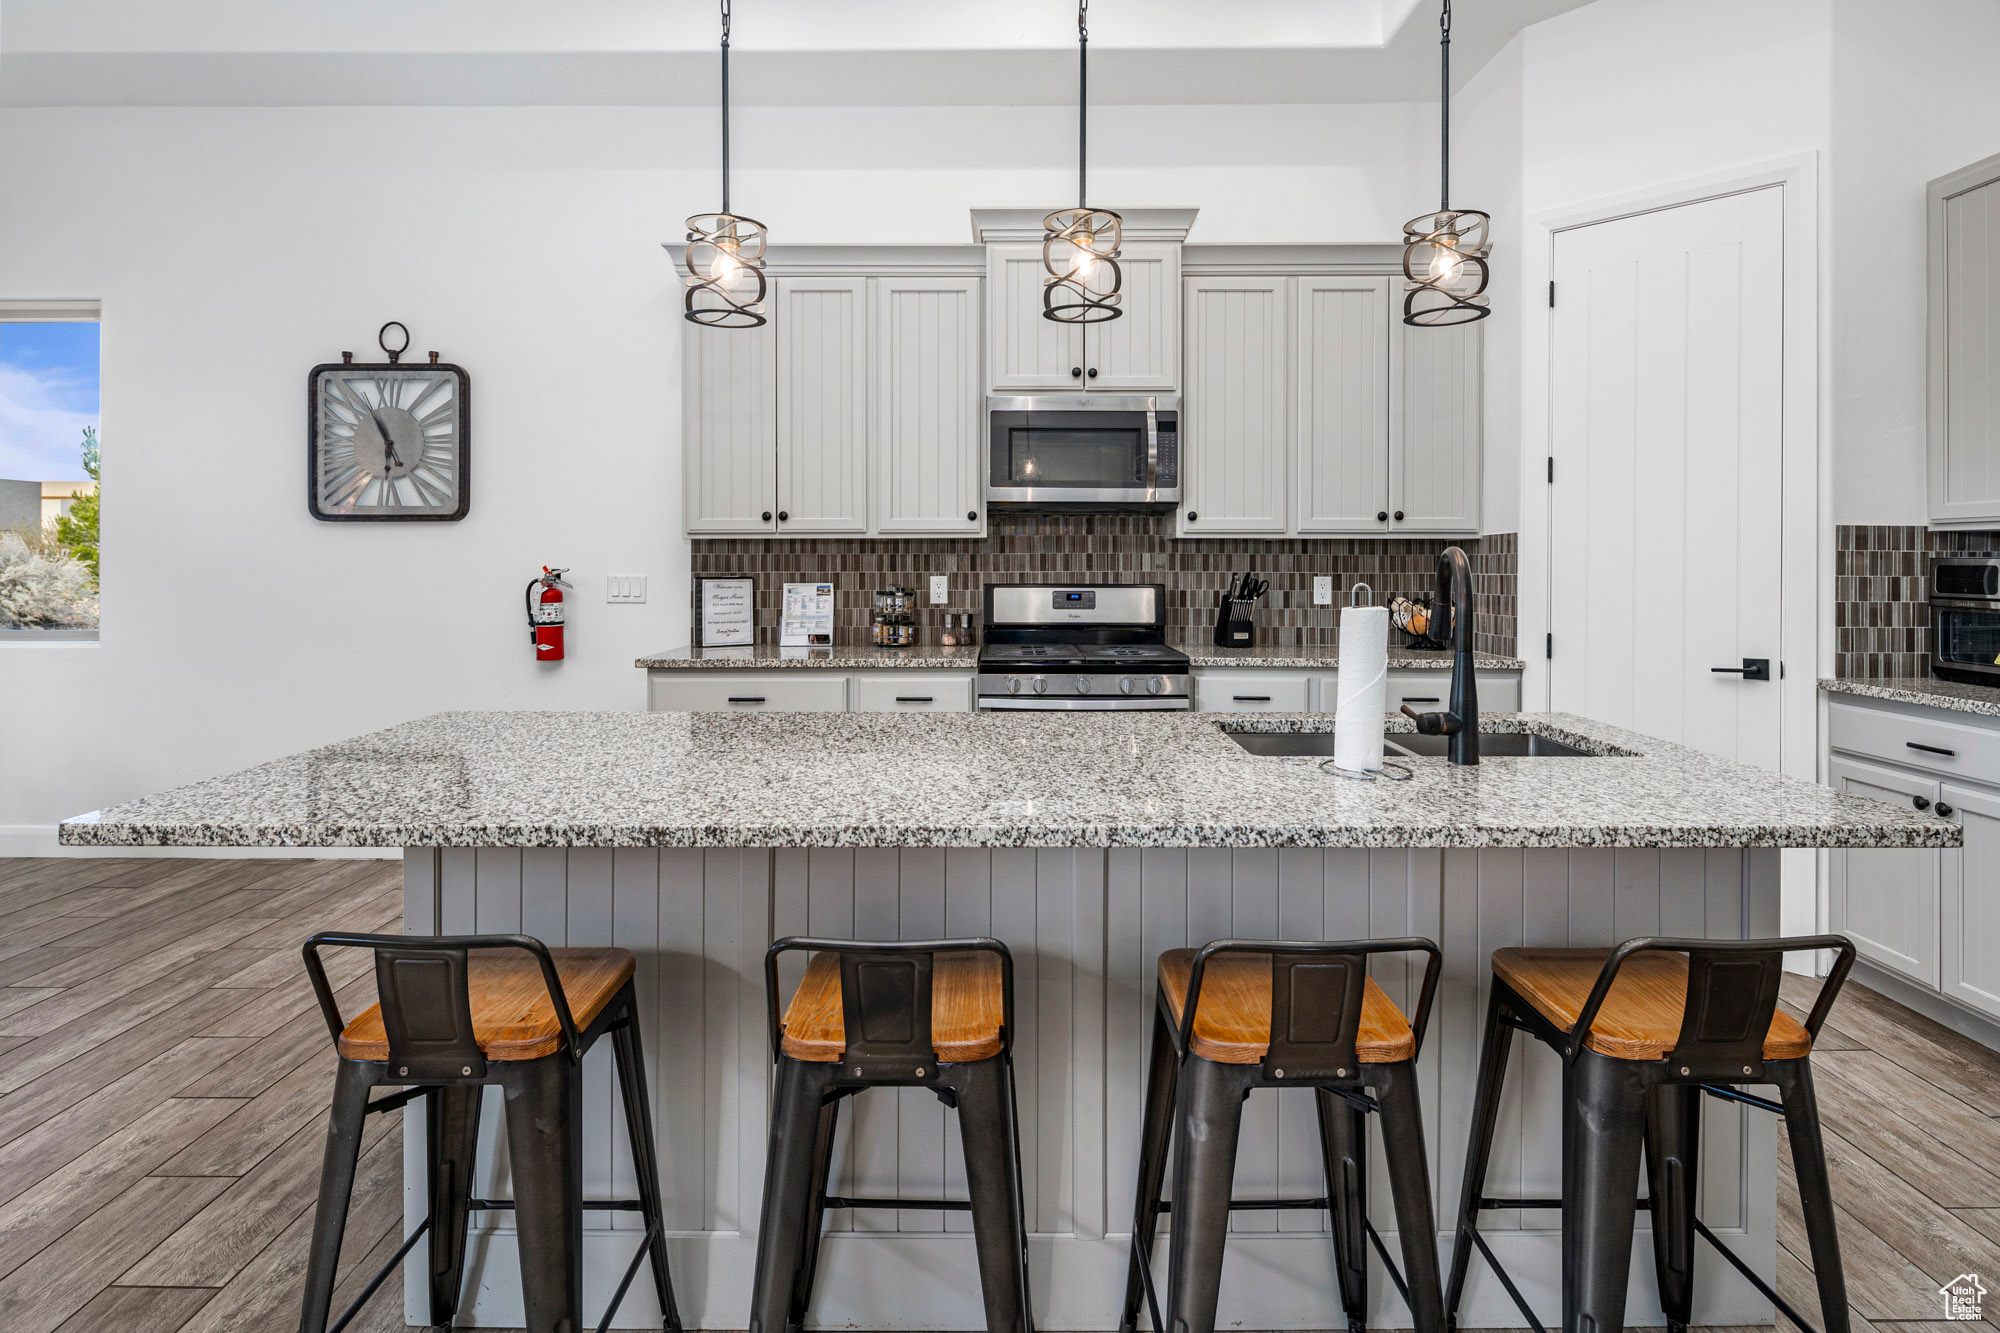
1140,350
926,411
729,397
1963,352
822,333
1381,432
1238,404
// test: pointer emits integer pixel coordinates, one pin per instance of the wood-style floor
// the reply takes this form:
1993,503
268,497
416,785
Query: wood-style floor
164,1078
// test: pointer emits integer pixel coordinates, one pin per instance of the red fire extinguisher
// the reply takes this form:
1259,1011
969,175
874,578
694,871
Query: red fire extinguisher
545,614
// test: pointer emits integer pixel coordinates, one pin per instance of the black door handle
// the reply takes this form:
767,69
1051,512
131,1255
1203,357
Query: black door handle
1921,802
1945,810
1753,668
746,698
1932,749
1076,372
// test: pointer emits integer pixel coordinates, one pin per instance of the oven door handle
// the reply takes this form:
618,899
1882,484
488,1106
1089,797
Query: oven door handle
1152,446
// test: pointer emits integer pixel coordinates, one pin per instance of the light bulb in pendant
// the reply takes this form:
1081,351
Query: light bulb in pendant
1086,256
1446,261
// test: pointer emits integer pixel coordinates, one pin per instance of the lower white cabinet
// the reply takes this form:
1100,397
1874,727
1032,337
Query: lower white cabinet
1428,690
1251,691
796,691
1970,967
910,692
1887,901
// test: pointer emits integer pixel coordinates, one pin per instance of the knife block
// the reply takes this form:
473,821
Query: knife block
1233,626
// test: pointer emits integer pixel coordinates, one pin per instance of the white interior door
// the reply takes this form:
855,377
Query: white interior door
1665,513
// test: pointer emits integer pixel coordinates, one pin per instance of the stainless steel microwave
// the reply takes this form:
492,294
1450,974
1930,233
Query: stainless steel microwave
1078,450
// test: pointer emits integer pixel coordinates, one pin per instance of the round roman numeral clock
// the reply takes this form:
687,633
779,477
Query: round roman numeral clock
388,442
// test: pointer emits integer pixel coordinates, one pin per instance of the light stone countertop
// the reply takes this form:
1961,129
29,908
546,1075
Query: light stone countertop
867,657
1981,699
1148,779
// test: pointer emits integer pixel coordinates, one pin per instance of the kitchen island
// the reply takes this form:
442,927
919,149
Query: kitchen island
1089,843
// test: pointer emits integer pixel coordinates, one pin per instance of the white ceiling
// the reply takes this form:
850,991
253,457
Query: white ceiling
783,52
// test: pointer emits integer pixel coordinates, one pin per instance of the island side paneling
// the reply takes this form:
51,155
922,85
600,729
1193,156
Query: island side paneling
1085,927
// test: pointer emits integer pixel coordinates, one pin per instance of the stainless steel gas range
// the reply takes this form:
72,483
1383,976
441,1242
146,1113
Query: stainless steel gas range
1096,647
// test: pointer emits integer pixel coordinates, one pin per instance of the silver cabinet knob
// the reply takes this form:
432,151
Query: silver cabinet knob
1083,685
1126,684
1041,686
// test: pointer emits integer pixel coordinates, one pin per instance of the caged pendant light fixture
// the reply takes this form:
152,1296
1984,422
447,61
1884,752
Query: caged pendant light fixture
1080,247
725,252
1444,252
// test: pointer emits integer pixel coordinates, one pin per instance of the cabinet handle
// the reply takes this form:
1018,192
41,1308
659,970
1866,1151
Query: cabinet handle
1382,516
1921,802
1944,809
767,516
972,516
1933,749
1192,516
1093,372
1252,698
746,698
782,516
915,699
1399,516
1076,372
1420,699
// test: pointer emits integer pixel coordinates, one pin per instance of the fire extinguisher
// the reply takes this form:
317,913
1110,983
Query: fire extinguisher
545,614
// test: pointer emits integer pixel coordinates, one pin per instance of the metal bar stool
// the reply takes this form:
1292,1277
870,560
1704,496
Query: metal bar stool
936,1014
1643,1031
453,1018
1247,1014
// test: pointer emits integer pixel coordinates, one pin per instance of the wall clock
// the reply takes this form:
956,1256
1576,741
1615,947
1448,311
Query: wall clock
388,442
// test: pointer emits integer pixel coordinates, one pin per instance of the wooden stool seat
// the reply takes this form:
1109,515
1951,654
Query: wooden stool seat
1232,1025
1641,1017
512,1018
966,1009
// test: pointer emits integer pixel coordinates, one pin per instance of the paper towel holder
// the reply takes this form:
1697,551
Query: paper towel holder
1354,593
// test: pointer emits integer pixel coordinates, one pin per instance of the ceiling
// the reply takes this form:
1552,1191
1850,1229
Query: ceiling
783,52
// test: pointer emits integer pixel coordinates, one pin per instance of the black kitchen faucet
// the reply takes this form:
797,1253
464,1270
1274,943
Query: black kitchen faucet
1461,721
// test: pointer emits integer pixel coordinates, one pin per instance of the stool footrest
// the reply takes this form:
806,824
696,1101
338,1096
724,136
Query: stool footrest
589,1205
929,1205
1260,1205
1723,1092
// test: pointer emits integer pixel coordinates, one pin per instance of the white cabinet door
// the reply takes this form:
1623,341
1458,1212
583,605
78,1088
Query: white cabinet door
822,336
729,430
1236,414
1436,429
1887,901
1971,934
1023,349
1963,421
1342,424
927,408
1141,349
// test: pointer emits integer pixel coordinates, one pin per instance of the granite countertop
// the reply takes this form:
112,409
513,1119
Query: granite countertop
1983,699
1150,779
867,657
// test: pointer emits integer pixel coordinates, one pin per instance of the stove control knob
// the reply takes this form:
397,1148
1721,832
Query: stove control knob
1155,685
1013,684
1083,685
1041,685
1126,684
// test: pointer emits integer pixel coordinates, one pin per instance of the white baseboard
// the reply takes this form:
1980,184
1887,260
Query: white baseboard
40,840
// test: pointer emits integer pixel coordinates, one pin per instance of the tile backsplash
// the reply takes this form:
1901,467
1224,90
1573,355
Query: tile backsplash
1117,548
1880,593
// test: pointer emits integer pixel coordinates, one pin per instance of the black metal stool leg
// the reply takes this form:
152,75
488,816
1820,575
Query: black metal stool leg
1492,1074
452,1129
788,1189
336,1188
1155,1135
545,1141
1343,1147
822,1171
1604,1125
1410,1186
1208,1115
991,1137
631,1061
1673,1164
1795,1090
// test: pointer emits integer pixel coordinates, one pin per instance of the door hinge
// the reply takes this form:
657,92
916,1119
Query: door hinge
1552,469
1549,646
1552,294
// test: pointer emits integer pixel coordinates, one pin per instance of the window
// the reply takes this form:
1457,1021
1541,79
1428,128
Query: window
48,470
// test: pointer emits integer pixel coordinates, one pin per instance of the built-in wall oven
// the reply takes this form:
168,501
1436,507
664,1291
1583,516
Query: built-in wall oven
1084,450
1965,619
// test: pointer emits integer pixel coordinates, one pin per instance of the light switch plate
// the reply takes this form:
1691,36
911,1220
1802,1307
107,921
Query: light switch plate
940,589
1322,590
625,587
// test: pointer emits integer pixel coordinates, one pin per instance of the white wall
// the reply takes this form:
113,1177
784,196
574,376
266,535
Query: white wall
1913,98
235,248
1487,167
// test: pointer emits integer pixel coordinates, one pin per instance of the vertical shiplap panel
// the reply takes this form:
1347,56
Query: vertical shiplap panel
1592,899
458,879
1510,887
1301,916
745,1098
725,953
1724,1127
968,910
1253,886
1128,1029
1635,879
1683,892
1456,1021
1015,893
590,924
830,915
420,891
919,1116
681,1052
873,1118
635,925
496,910
1091,1189
1055,1074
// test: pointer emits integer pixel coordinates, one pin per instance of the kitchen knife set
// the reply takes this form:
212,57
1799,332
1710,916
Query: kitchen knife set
1233,626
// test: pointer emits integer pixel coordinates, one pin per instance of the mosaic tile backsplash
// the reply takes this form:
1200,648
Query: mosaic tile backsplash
1881,615
1118,548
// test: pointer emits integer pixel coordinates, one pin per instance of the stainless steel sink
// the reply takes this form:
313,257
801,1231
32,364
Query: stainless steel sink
1313,744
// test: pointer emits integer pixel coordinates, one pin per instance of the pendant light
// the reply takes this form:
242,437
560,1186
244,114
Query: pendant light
1080,247
725,252
1443,252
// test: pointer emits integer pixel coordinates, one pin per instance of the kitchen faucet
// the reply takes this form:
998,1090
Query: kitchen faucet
1461,721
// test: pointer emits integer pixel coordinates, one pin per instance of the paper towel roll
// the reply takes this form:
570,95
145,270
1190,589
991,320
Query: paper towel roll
1358,716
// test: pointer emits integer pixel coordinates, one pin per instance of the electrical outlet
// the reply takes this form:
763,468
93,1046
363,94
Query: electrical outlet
940,589
1322,590
625,587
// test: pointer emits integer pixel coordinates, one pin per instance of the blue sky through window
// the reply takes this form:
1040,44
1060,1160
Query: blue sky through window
48,394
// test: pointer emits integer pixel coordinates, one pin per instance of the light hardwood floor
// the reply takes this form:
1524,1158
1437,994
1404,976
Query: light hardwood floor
164,1077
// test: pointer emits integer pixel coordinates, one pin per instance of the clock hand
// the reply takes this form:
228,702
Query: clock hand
389,455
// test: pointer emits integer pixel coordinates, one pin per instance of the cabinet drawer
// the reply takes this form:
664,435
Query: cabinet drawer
1920,742
1249,692
1425,691
802,691
1499,691
909,692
